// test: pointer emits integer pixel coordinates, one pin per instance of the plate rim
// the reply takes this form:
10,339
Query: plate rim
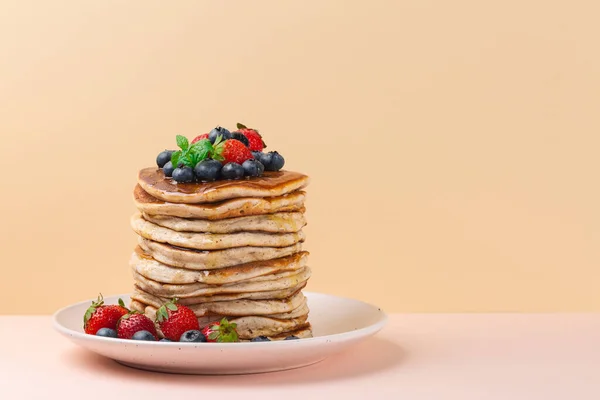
361,332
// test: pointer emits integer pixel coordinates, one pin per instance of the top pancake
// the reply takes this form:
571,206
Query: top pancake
271,184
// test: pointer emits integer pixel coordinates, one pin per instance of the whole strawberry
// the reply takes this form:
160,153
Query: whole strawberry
223,331
255,140
99,316
133,322
175,319
200,137
231,151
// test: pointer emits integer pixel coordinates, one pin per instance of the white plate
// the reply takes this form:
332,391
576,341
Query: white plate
337,324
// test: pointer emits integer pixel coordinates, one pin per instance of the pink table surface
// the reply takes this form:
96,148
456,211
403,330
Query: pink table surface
417,356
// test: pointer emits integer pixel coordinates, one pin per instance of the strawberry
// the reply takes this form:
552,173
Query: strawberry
175,319
200,137
99,316
255,140
231,151
223,331
133,322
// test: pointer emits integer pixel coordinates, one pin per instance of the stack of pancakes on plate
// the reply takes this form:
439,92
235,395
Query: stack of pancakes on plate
230,248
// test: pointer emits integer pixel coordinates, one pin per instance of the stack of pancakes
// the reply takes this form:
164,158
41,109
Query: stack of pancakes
226,249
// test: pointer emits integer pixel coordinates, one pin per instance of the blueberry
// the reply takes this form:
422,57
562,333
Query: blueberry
208,170
266,159
163,158
212,135
183,174
276,163
168,169
106,332
239,136
261,339
253,167
257,155
232,171
165,340
193,336
292,338
143,335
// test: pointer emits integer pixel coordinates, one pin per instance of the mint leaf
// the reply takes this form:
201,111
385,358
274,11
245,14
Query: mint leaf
241,126
187,160
175,158
182,142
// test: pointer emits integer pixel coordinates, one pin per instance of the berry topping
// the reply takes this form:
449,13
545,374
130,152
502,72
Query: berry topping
143,335
168,169
253,168
193,336
240,136
219,131
163,158
165,340
265,159
99,316
200,137
232,171
276,161
260,339
255,141
106,332
175,319
231,151
133,322
183,174
208,170
223,331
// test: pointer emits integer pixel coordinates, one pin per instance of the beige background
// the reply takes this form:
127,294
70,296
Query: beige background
453,146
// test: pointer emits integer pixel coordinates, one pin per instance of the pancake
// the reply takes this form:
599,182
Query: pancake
253,326
248,327
266,295
270,184
279,281
210,241
293,202
292,307
203,260
273,223
146,266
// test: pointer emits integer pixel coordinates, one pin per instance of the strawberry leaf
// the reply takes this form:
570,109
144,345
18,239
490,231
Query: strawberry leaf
171,306
214,335
121,303
241,126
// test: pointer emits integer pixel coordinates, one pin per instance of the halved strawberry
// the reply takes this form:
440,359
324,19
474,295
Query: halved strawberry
174,319
99,315
222,331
